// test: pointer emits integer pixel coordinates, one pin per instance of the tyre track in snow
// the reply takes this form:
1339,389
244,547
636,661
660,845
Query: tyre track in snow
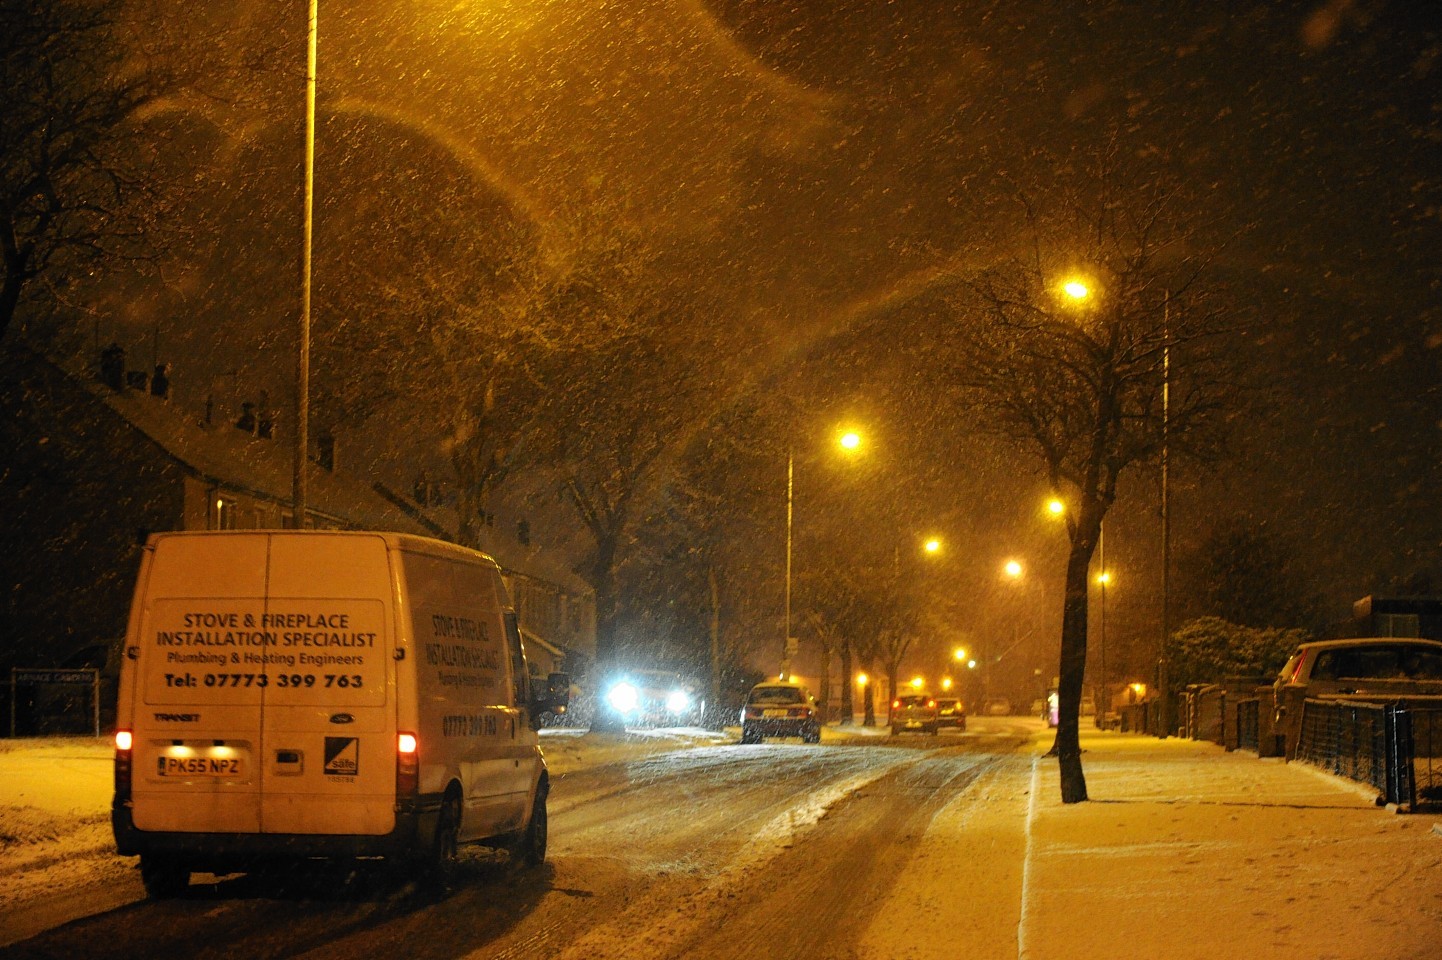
804,884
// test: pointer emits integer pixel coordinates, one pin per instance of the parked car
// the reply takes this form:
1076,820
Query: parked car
998,707
780,708
1366,668
950,712
914,713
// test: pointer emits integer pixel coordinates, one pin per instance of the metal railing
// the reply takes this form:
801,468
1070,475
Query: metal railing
1395,747
1248,719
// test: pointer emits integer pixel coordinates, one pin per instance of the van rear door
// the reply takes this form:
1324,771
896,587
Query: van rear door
329,761
198,699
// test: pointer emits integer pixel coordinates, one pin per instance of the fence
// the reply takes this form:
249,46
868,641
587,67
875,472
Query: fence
1394,747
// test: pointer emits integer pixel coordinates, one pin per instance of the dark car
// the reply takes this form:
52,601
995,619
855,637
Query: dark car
780,708
914,713
950,712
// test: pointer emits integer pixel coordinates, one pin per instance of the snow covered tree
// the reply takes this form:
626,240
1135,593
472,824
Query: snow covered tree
75,177
1093,348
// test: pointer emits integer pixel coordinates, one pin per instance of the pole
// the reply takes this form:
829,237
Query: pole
786,639
1164,684
1100,705
302,370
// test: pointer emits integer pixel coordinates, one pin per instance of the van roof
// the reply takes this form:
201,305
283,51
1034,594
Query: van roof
393,540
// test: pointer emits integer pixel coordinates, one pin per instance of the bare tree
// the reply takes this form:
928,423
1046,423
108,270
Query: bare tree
611,418
1096,386
75,176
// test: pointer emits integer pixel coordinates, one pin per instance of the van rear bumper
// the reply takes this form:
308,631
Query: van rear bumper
411,839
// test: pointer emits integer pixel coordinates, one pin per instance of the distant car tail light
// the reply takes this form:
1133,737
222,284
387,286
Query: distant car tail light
124,764
931,704
896,704
408,765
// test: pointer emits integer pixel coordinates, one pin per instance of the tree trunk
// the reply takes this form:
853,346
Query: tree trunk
848,708
714,704
868,697
1072,671
825,698
603,582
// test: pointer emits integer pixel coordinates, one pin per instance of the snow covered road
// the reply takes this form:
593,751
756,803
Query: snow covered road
778,849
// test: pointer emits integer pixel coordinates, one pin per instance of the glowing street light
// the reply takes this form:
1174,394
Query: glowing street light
932,545
1076,289
1055,507
1013,569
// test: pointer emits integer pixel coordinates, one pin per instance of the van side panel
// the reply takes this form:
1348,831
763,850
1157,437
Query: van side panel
329,759
198,739
463,689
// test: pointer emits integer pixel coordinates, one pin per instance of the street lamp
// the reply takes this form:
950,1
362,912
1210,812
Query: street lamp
1103,578
1013,570
849,441
302,363
1076,289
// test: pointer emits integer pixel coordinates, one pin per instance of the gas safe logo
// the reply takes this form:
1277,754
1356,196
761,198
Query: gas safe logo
342,756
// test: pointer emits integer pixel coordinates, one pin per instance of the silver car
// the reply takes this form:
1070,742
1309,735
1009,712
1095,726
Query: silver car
1363,668
780,708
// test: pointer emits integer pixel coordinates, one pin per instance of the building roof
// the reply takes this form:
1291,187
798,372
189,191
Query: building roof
219,453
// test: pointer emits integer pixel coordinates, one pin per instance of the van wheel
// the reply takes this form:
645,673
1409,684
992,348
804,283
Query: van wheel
529,850
443,847
164,878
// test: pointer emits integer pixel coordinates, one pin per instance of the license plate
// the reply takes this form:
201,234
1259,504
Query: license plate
774,713
199,766
913,723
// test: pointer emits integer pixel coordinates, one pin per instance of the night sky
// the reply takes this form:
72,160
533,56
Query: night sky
802,162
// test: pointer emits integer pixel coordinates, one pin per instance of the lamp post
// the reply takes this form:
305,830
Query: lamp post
849,441
1014,571
1103,701
302,365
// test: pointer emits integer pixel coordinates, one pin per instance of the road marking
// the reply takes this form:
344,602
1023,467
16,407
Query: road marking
1023,952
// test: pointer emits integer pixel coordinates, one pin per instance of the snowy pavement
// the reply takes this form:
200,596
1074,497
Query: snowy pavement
1184,851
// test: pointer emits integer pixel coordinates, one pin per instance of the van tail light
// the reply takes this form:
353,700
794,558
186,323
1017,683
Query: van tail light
408,765
124,741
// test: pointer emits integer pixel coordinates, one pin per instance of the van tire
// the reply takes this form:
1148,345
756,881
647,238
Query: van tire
442,862
529,849
163,878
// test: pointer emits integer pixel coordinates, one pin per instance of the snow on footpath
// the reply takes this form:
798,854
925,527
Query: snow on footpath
1186,851
1183,851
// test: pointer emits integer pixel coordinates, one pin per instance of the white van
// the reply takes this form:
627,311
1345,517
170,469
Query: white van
294,694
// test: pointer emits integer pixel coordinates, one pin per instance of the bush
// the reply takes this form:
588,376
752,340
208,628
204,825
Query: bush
1210,649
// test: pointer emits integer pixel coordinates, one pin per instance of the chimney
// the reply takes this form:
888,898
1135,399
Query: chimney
325,450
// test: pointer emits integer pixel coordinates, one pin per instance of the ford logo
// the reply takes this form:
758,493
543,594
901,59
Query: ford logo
341,718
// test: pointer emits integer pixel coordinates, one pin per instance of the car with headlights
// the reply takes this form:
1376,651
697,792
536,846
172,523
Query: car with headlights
914,713
1359,668
780,708
647,697
951,713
